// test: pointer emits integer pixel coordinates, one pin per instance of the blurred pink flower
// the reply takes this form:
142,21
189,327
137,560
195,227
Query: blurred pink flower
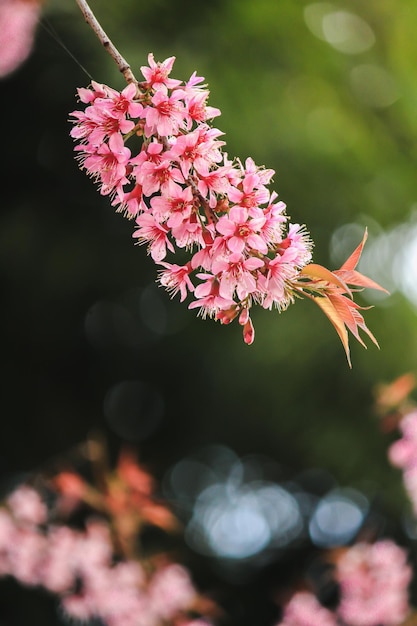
7,536
305,610
26,555
374,581
171,590
85,569
26,505
403,454
58,569
18,20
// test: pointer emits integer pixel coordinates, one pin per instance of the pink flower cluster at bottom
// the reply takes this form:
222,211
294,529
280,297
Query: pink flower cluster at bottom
79,567
304,610
373,579
92,579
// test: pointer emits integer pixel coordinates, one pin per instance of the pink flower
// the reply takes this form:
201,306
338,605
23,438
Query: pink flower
151,152
166,114
374,581
273,283
198,149
78,607
130,202
274,213
296,247
117,593
97,90
304,610
158,177
403,454
250,193
176,207
188,232
197,109
176,278
156,75
235,273
202,258
109,163
59,567
154,234
208,298
263,175
27,507
124,103
84,126
7,537
18,21
189,195
212,183
99,123
240,229
170,591
26,555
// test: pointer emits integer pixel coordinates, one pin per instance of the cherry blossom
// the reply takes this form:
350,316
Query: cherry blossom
95,569
18,22
176,278
403,454
152,149
305,610
374,580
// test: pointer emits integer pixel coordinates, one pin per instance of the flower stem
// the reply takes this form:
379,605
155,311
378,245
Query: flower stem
92,21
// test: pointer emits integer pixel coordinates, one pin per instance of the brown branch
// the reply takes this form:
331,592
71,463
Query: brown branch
92,21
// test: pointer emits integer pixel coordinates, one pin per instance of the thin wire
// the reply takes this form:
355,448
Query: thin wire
52,32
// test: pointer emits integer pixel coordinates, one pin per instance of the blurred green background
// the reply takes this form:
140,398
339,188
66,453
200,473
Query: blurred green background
323,93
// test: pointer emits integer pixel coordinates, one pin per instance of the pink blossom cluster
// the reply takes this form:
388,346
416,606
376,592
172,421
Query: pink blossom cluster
231,233
374,580
305,610
403,454
80,568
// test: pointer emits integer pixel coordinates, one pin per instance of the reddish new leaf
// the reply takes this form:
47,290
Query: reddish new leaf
336,298
349,312
318,272
353,260
352,277
334,316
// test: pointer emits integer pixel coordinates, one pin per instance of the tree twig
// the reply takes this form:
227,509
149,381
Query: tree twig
92,21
